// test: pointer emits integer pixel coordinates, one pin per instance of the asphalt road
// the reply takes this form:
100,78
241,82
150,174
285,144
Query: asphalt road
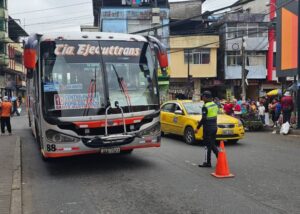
164,180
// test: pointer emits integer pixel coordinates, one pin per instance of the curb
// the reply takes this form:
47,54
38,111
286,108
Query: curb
16,196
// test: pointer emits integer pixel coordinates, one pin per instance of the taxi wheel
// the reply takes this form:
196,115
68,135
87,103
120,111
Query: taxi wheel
189,135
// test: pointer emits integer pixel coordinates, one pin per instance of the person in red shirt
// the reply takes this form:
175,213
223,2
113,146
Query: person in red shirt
287,106
237,109
5,115
228,108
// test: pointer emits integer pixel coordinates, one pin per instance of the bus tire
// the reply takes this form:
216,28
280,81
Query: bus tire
189,136
39,143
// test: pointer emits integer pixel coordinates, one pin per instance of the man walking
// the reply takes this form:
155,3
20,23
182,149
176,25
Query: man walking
287,106
209,122
5,115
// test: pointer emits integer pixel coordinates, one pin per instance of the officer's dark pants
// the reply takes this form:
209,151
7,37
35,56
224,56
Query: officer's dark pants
209,140
5,121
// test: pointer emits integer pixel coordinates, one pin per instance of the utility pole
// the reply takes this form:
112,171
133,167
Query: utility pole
243,70
298,88
271,38
188,75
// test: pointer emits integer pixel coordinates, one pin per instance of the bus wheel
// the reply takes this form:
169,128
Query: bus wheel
189,135
126,152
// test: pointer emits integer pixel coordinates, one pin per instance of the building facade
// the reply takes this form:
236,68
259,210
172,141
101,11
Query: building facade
249,31
12,71
193,62
249,23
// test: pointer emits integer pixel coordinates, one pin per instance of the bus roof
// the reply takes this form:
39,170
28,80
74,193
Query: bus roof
92,36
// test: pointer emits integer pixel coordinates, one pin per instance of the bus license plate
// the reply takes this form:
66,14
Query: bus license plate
227,132
113,150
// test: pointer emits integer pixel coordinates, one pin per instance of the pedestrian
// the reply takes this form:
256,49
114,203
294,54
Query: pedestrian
277,112
261,112
6,107
237,109
15,106
287,106
228,107
266,105
272,107
209,123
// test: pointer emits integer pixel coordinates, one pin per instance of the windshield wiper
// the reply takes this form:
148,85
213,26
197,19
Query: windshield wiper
123,87
90,96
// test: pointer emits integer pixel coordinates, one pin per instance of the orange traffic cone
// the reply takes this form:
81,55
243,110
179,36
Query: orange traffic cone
222,169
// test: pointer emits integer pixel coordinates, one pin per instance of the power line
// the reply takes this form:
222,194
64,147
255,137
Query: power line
212,43
52,8
264,30
78,12
207,13
59,21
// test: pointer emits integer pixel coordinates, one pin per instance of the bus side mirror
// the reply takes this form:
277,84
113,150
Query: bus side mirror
163,59
161,54
30,58
29,73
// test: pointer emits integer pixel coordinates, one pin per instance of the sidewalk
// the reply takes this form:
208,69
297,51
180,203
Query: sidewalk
10,175
293,131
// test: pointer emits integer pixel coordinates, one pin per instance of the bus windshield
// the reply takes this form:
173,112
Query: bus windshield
80,78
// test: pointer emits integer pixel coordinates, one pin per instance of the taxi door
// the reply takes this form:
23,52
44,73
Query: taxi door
178,120
166,117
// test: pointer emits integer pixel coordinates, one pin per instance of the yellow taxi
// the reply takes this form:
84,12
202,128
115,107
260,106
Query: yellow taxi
180,117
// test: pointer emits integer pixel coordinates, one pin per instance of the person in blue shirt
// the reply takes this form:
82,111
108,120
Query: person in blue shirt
277,111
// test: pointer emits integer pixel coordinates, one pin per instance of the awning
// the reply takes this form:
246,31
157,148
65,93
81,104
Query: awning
274,92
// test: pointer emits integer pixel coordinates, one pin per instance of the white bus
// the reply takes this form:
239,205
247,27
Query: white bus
93,92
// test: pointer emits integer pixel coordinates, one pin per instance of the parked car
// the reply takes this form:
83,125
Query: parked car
180,117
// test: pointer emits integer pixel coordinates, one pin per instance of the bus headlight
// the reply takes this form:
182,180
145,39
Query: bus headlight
57,137
151,131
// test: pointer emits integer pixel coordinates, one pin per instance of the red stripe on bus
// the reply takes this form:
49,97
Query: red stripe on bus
123,148
101,123
148,145
68,154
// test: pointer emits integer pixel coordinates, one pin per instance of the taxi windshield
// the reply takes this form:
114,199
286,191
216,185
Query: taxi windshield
193,107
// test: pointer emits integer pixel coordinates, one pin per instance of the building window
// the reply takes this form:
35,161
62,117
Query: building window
18,58
3,4
3,24
256,58
234,58
2,48
246,29
197,56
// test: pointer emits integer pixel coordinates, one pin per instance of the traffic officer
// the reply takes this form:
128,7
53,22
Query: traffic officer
209,122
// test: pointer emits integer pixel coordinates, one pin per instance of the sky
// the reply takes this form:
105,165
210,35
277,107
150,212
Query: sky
69,18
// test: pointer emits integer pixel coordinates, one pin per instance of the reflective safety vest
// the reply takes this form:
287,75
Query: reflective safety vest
212,110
